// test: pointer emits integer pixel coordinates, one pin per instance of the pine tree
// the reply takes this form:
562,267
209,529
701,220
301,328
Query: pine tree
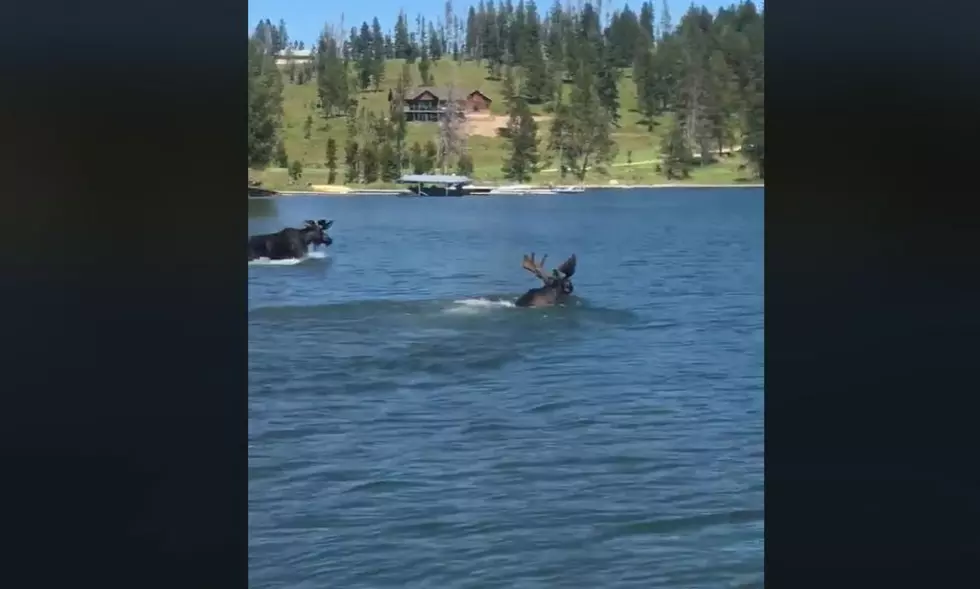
353,122
508,88
435,43
473,33
666,26
490,35
369,163
645,76
694,91
402,41
754,135
262,37
676,153
555,44
365,57
425,75
538,84
351,162
388,161
264,104
582,128
721,100
282,39
608,90
504,10
379,127
377,55
623,35
331,160
646,21
331,73
667,72
397,113
522,136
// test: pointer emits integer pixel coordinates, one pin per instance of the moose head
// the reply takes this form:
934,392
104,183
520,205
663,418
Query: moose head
557,284
315,232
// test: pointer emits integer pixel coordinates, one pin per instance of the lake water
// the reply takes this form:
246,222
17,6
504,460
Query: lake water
408,427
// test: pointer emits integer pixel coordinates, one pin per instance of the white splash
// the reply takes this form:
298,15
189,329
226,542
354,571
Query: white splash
480,305
268,262
312,255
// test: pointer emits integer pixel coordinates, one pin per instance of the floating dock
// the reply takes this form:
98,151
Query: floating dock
435,184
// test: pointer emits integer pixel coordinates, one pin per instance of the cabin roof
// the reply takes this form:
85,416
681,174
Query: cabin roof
442,93
480,92
433,179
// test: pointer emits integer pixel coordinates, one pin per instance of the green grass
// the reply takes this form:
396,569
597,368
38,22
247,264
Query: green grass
299,102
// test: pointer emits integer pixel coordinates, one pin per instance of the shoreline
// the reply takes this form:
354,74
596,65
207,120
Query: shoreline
353,191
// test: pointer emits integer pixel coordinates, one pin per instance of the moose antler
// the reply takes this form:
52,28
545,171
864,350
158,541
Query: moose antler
536,268
568,266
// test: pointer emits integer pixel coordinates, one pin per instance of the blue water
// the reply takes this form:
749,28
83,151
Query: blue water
409,428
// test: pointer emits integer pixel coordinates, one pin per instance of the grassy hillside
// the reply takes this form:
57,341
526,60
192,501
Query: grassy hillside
634,162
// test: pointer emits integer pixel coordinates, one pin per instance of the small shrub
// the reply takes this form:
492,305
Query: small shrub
295,170
464,167
281,158
307,127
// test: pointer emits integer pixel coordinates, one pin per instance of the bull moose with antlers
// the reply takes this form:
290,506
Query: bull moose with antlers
557,285
290,242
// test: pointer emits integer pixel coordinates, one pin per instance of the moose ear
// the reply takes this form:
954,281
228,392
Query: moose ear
309,223
327,225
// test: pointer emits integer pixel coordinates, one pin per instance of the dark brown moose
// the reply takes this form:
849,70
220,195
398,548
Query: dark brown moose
290,243
557,285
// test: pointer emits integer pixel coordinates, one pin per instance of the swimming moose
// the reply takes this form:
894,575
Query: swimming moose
557,287
290,243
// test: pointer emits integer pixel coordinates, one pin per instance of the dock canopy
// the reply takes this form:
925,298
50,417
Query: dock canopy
433,179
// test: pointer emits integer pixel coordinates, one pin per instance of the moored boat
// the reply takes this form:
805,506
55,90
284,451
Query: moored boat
512,189
474,189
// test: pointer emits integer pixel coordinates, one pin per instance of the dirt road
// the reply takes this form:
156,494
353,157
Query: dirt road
647,162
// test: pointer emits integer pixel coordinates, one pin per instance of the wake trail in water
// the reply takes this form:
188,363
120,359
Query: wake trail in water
478,305
314,255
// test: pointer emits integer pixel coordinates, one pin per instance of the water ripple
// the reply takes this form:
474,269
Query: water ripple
408,427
